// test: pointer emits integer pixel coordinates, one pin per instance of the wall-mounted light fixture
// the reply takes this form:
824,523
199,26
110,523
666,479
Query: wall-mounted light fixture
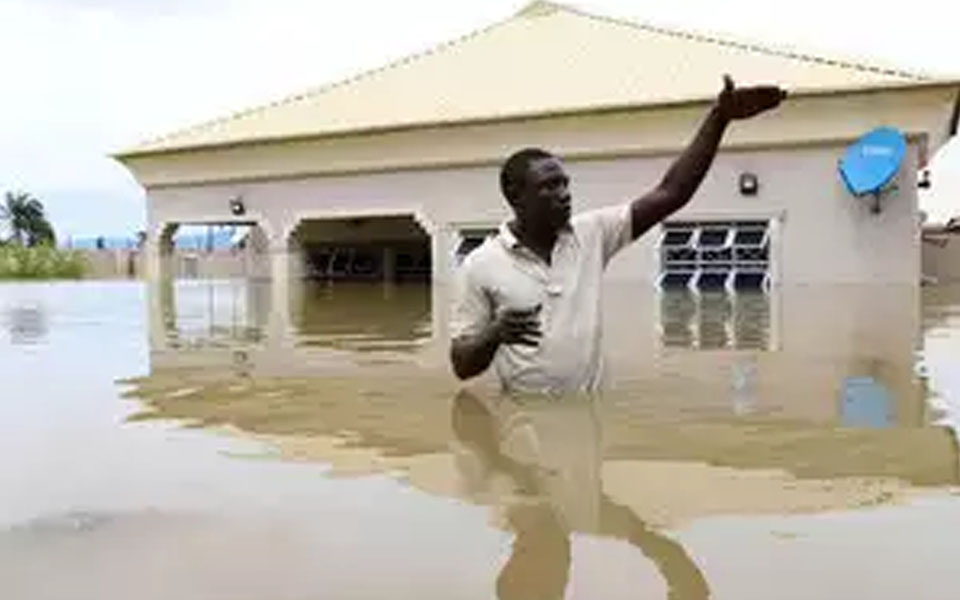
749,184
237,208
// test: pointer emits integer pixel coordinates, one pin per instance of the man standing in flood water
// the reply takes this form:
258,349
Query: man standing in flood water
528,300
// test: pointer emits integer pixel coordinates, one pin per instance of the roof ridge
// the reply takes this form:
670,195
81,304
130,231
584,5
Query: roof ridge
325,87
729,40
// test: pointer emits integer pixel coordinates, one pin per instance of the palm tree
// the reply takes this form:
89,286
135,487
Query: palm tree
26,219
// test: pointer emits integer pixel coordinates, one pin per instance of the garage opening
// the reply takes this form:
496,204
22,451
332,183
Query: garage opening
387,248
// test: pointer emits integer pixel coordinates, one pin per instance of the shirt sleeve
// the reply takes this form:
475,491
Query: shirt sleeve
471,311
612,226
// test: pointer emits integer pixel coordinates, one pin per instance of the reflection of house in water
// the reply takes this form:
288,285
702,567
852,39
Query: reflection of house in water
200,312
841,378
715,320
557,471
791,352
362,318
866,403
690,432
197,322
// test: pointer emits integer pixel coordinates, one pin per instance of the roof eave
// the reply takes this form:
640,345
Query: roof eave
893,86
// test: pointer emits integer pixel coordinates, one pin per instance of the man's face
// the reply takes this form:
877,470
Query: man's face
544,201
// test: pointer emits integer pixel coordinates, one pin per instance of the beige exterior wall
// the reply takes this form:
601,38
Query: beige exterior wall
822,235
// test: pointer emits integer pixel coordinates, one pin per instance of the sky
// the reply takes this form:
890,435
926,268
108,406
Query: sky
81,79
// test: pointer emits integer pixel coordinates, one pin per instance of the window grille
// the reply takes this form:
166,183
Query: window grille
715,277
715,256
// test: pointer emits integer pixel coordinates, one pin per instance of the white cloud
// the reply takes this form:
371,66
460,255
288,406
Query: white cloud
135,8
87,80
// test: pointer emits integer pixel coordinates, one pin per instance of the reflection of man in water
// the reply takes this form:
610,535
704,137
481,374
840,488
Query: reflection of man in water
529,299
540,462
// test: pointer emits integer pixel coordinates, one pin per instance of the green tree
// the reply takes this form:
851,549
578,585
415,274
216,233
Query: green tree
27,220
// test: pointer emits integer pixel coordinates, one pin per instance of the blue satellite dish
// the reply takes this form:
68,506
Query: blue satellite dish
873,161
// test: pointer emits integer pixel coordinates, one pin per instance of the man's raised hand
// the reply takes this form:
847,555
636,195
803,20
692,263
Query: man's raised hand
746,102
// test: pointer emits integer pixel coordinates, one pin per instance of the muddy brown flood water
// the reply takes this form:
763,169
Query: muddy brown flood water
195,440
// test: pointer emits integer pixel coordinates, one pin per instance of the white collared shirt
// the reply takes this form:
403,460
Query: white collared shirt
502,273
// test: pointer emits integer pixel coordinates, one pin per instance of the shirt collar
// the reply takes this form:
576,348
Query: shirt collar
510,241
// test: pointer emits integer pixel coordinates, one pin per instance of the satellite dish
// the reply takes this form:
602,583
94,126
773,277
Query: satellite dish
869,165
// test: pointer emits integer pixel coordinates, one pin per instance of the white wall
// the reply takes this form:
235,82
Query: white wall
825,236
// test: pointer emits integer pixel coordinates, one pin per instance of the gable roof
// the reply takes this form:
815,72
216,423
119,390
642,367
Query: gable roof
546,59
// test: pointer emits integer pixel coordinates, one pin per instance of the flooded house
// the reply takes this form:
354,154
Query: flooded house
393,173
277,417
770,348
776,277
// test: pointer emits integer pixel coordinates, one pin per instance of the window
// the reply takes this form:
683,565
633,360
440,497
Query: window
715,256
715,278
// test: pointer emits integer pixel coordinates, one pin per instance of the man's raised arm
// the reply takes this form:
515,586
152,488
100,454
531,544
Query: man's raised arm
687,172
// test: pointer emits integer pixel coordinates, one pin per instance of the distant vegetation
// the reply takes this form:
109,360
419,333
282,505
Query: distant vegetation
40,262
26,220
29,251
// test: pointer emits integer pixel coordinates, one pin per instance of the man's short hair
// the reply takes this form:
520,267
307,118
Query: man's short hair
514,171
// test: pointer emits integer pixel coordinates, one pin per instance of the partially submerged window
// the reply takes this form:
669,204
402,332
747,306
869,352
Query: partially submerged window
715,277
